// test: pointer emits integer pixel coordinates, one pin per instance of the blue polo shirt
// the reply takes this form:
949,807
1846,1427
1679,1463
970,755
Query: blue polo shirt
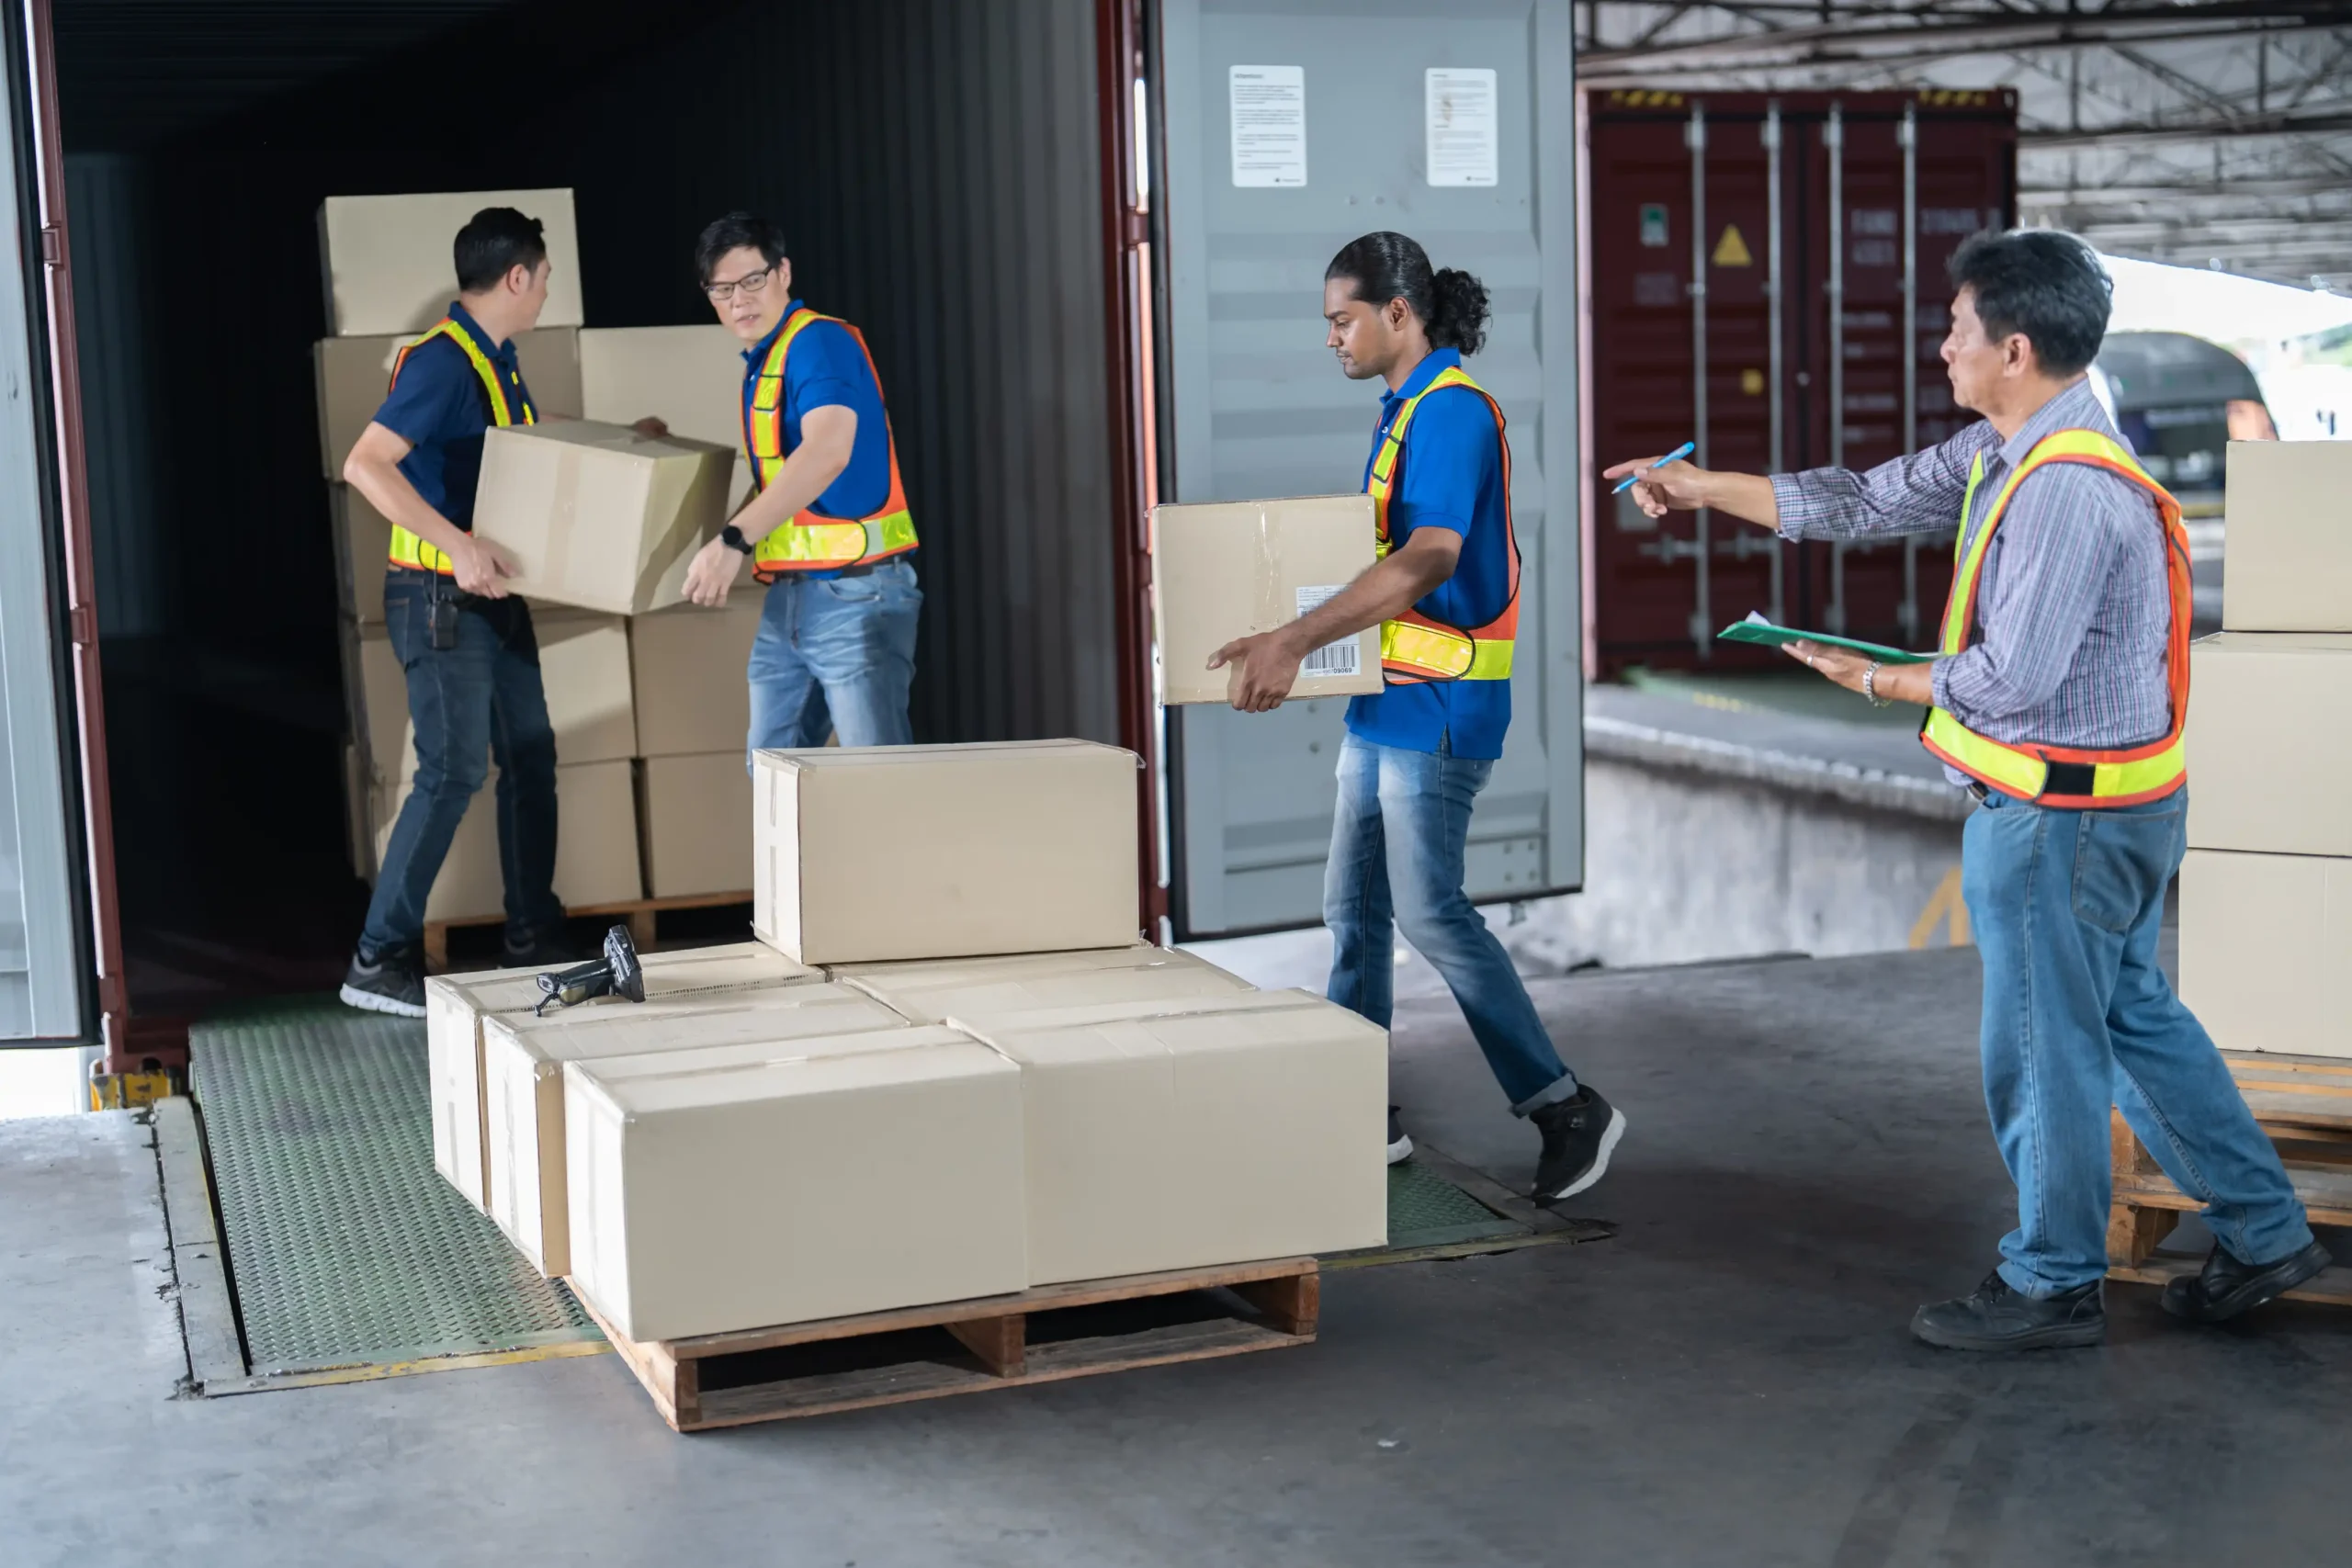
827,369
440,407
1450,476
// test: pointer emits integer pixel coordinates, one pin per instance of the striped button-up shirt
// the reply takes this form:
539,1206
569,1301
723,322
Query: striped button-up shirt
2074,604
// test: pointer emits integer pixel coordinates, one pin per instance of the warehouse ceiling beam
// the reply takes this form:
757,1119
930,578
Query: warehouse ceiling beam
2185,191
2329,120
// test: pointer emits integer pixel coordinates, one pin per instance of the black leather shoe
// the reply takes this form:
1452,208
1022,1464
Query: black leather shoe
1998,1318
2225,1287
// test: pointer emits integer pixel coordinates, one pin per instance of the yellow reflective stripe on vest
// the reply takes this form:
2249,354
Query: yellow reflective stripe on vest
1427,653
407,548
764,422
836,544
2018,771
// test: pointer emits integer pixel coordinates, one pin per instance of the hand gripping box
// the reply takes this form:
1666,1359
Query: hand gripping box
1227,570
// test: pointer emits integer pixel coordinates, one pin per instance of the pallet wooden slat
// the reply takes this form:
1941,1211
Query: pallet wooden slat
1283,1296
2304,1103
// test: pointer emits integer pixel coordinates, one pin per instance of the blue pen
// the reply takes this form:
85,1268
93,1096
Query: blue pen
1674,457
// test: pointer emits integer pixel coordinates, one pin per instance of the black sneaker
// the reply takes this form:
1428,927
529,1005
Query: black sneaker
1996,1318
1400,1144
392,982
1579,1134
2225,1287
539,950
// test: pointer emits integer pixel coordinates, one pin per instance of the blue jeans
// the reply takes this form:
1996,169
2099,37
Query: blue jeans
2068,907
477,702
1397,850
836,655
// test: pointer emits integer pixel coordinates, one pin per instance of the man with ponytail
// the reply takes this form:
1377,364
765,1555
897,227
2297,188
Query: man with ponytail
1445,592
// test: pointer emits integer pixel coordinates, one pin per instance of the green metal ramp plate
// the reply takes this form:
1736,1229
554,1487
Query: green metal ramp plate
345,1246
350,1258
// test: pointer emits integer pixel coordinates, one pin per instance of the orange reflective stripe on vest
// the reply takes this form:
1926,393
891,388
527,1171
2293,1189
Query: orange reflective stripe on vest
1414,647
407,548
813,541
2073,777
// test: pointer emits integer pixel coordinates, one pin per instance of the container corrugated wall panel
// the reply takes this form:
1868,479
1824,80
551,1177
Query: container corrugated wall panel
934,166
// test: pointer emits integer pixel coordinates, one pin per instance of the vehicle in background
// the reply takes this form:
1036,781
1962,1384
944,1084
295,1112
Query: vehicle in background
2180,401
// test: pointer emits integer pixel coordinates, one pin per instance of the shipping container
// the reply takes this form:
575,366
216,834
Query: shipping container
1794,246
963,181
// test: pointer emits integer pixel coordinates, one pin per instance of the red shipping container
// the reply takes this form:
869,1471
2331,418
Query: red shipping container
1816,227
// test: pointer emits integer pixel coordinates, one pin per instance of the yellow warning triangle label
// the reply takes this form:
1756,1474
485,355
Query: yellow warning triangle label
1731,250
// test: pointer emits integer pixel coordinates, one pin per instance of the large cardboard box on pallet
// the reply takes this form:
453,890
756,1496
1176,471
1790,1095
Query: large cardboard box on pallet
353,374
686,664
455,1006
869,855
694,815
583,669
599,516
773,1185
523,1102
2270,743
387,258
596,850
2265,943
363,543
1197,1131
689,378
1227,570
2289,554
983,990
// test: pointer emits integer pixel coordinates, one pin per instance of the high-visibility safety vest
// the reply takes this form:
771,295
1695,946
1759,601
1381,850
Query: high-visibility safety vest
2071,777
812,541
407,548
1416,648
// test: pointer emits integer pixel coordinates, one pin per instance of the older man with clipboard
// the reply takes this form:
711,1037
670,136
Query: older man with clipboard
2057,696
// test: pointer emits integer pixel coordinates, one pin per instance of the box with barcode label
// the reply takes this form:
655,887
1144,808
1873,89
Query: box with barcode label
1227,569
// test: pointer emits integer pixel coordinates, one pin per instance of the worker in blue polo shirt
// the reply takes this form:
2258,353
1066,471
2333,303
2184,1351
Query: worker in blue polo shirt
1444,593
827,525
466,644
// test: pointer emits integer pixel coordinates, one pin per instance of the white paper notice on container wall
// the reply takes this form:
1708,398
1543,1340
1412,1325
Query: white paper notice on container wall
1269,124
1463,129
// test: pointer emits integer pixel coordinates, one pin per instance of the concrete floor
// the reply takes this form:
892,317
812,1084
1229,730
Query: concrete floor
1727,1381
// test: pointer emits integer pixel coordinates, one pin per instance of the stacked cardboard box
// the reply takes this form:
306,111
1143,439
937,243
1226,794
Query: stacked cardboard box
2265,891
1227,569
603,522
993,1086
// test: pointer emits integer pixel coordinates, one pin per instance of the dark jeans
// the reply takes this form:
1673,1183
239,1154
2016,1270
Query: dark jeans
478,703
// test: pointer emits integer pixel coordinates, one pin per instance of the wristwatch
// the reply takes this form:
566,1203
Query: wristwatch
734,537
1870,685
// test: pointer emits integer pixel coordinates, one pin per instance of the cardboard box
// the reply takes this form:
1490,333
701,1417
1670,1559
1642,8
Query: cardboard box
522,1058
986,990
353,374
766,1188
363,545
694,814
2287,554
2265,941
873,853
583,667
596,854
688,665
1224,570
388,259
1224,1130
457,1005
2269,744
599,516
689,378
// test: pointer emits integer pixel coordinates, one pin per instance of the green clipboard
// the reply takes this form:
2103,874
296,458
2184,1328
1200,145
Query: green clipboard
1758,630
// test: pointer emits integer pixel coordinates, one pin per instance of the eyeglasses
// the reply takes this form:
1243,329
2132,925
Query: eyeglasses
750,283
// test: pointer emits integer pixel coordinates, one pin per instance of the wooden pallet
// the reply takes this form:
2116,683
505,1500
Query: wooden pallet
1037,1335
639,913
2305,1104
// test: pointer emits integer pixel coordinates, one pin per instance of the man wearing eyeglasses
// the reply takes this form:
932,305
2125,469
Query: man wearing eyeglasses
827,525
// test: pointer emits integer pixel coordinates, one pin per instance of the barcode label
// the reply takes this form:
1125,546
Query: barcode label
1343,658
